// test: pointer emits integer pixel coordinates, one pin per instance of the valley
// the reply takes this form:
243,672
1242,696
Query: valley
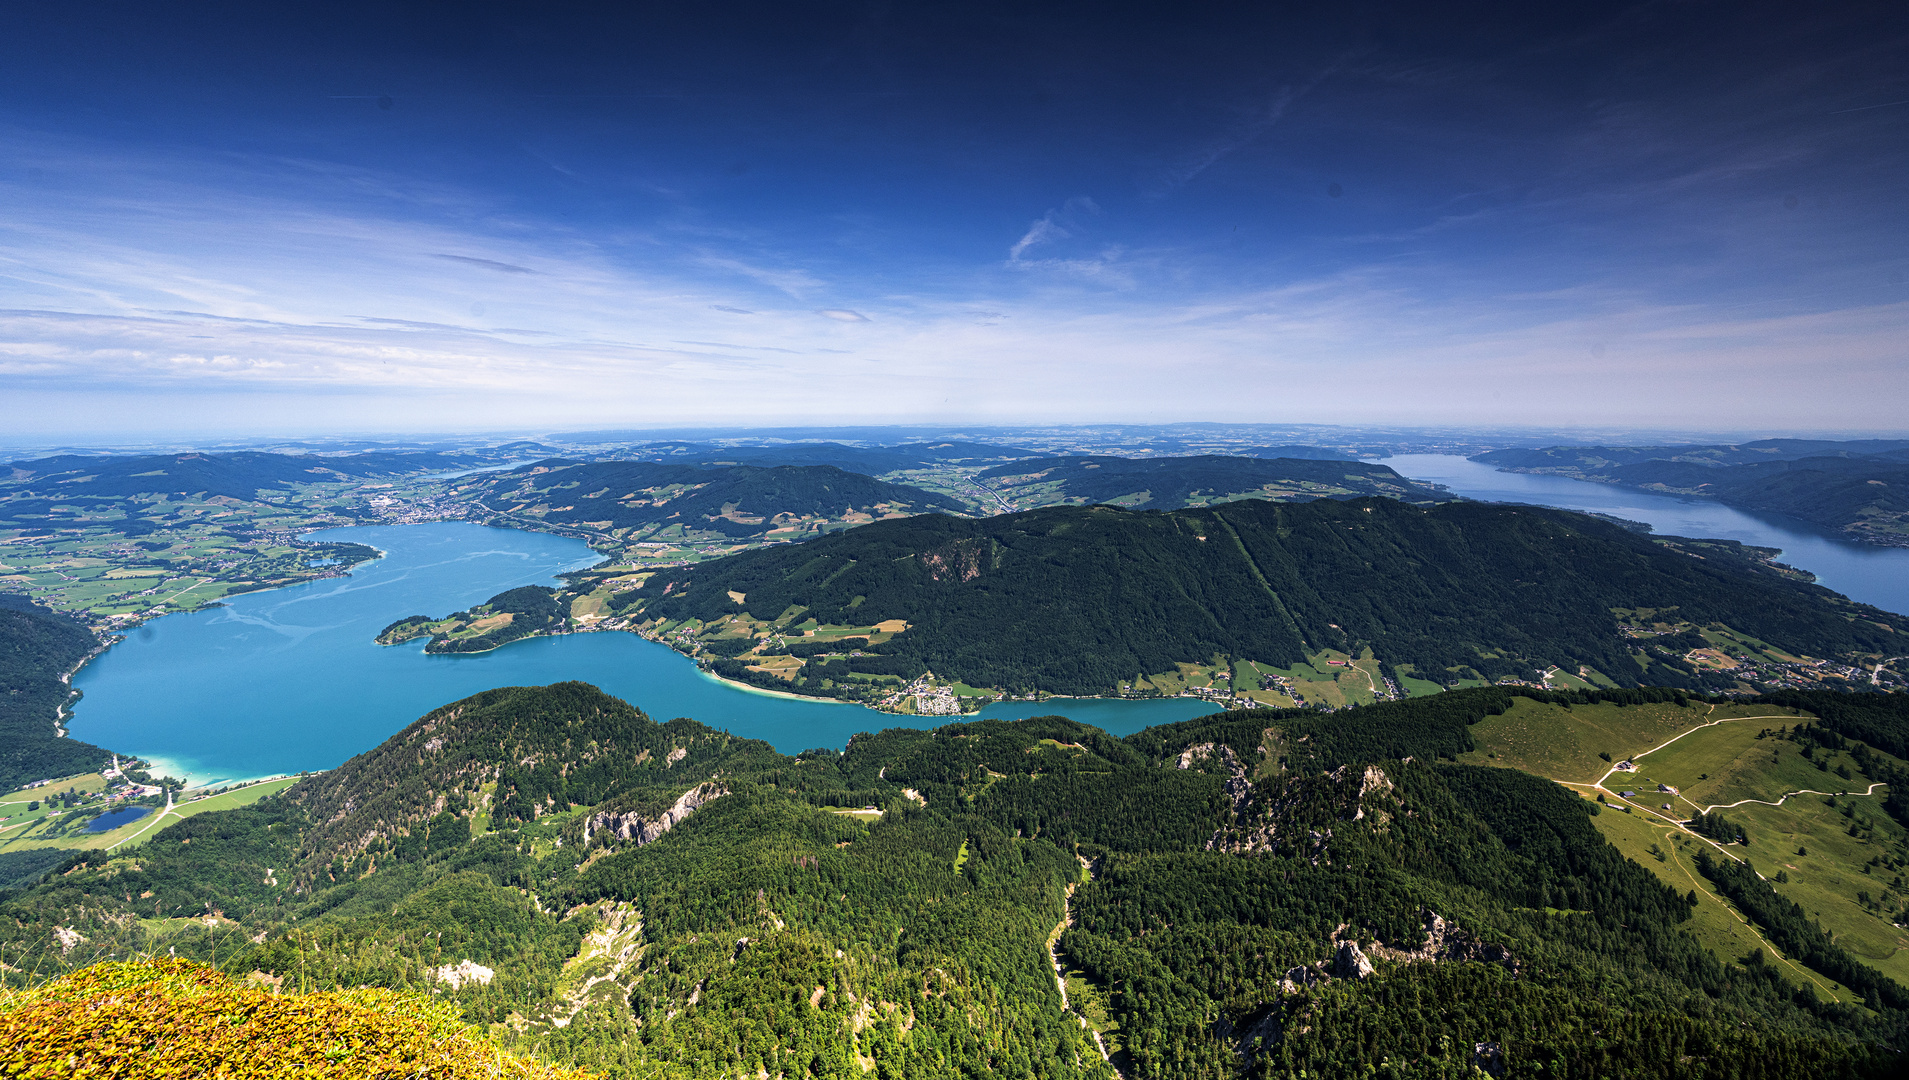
1438,775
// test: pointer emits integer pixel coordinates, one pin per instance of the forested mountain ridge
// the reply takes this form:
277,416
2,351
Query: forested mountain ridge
37,648
237,475
1270,893
870,461
1604,458
1075,600
1170,483
1860,488
636,499
508,755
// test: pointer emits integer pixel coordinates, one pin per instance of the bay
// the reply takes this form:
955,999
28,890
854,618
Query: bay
1863,572
292,679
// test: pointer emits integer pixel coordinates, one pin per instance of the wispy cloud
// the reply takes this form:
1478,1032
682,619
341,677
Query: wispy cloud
1062,223
795,282
320,313
1042,231
1255,120
488,264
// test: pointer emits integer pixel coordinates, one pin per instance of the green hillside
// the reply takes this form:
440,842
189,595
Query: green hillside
639,500
1260,893
1080,600
37,648
1175,482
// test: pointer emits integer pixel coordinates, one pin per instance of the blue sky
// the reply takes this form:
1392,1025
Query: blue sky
296,218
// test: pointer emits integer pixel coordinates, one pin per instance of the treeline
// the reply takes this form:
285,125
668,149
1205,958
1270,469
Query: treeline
1719,828
238,475
1793,931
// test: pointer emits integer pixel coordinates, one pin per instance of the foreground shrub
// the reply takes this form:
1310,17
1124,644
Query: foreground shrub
161,1018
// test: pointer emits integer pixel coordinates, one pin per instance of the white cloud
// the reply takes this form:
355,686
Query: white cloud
841,315
1042,231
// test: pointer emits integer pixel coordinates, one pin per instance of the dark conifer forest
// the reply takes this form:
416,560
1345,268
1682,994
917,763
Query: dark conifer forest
1255,893
1077,599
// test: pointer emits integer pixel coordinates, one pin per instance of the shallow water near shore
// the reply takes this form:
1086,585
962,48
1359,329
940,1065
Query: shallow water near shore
291,679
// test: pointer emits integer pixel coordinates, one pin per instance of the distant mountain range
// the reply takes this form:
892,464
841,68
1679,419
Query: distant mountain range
238,475
1860,488
639,499
1078,599
870,461
1175,482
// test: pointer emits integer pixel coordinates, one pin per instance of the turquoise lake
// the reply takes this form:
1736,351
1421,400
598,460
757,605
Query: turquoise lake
291,679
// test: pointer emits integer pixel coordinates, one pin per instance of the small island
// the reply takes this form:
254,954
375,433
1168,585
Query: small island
504,618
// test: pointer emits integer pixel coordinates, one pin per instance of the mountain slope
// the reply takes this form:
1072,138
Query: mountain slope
37,648
1074,600
1171,483
1263,893
640,499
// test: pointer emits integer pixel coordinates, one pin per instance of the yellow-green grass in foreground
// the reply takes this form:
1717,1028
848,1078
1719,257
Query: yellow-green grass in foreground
1563,743
1715,922
1728,763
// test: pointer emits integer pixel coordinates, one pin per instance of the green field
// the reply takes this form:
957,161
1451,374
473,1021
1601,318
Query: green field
1732,762
114,561
1564,743
26,832
1669,853
1729,759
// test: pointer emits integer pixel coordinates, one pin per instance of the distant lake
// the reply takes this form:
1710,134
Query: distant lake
291,679
1864,572
113,819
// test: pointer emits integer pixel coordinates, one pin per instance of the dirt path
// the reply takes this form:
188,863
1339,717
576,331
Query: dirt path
1726,720
1748,925
1060,977
1791,795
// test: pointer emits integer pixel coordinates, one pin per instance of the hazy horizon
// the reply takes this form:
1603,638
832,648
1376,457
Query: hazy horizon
227,221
